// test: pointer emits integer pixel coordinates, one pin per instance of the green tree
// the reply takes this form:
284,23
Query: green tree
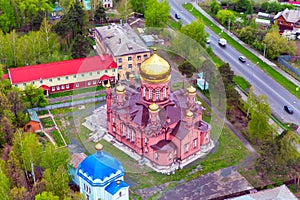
4,104
138,6
4,182
19,193
277,45
7,17
50,39
81,46
31,8
244,5
227,76
30,151
157,13
124,9
267,163
226,17
6,131
258,126
187,70
11,48
214,7
4,187
100,13
57,182
77,18
53,157
196,31
34,97
17,107
46,196
289,144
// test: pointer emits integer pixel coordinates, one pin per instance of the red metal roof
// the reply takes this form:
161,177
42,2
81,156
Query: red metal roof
62,68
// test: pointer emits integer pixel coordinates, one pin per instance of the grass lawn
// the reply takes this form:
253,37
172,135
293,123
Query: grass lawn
47,122
230,151
56,136
74,92
241,82
250,56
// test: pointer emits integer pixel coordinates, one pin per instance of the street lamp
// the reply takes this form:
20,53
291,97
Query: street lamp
265,46
298,120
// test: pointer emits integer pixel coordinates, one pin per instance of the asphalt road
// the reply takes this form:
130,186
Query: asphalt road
262,83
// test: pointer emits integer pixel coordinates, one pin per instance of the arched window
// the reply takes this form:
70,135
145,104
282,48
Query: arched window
165,92
150,94
128,133
124,130
156,156
144,91
132,135
157,94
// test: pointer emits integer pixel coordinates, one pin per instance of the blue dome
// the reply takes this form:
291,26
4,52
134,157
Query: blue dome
100,165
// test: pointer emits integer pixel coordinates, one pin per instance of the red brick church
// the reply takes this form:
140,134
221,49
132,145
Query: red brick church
163,127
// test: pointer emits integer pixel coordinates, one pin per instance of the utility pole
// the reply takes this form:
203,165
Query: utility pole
265,49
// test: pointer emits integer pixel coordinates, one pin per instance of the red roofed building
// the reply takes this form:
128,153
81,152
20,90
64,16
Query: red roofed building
66,75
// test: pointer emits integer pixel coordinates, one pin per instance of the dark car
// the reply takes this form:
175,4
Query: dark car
288,109
242,59
177,16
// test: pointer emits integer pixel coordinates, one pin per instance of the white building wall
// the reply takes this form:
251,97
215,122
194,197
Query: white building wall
72,78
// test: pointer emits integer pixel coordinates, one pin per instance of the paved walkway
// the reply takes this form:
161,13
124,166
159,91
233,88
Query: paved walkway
289,77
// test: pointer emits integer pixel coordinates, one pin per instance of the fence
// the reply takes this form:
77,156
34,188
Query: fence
70,104
283,61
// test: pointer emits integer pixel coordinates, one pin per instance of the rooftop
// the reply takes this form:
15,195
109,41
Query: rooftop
289,15
121,40
62,68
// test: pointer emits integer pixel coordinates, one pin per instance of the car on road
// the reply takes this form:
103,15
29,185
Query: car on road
222,42
242,59
207,40
288,109
177,16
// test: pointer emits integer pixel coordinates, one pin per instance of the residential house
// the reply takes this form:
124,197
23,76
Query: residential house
288,20
66,75
34,125
124,45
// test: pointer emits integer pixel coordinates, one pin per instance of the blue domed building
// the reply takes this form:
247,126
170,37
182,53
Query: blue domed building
101,176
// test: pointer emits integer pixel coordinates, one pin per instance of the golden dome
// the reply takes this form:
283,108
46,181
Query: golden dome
153,107
189,114
155,69
120,89
108,85
98,146
191,90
